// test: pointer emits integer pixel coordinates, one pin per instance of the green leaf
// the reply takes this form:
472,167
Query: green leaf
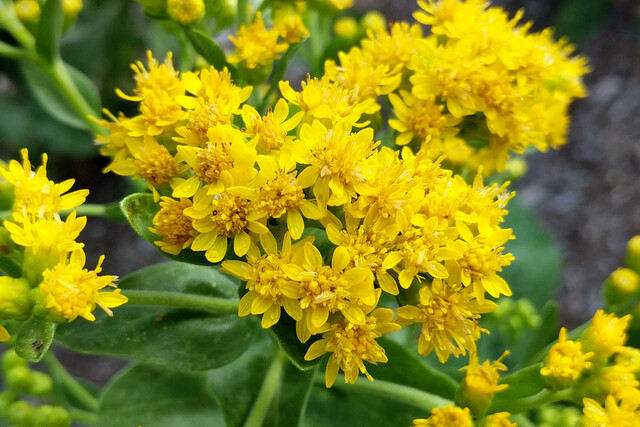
237,386
544,334
536,271
578,22
207,47
175,338
149,396
10,268
523,383
139,210
34,339
50,30
285,334
86,87
406,368
44,90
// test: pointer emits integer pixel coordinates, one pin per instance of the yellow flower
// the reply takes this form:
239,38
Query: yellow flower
173,225
35,195
352,344
255,45
363,74
71,8
448,315
289,25
28,11
499,419
421,118
613,414
329,289
393,47
606,335
69,290
225,160
336,158
271,132
480,383
326,100
186,12
564,363
220,217
367,248
269,288
282,193
447,416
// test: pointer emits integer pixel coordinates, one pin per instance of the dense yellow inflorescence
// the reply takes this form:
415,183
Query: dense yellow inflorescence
270,185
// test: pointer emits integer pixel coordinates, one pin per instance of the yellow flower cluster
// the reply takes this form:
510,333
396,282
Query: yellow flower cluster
54,284
478,87
394,222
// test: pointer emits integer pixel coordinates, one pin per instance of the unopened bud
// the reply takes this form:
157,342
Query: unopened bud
20,412
28,11
10,360
346,26
19,379
373,21
186,12
621,285
41,384
51,416
14,298
632,259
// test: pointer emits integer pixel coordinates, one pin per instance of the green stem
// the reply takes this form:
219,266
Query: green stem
12,24
267,392
530,402
243,13
88,209
84,417
278,75
398,392
59,73
176,299
70,384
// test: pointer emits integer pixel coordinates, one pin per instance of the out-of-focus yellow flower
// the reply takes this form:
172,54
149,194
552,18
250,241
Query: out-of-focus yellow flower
480,383
186,12
613,414
632,258
564,363
27,11
499,419
606,335
447,416
346,26
289,25
255,45
353,344
69,290
71,8
394,46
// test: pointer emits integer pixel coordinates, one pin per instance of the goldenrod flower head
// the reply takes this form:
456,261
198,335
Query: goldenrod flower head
448,315
606,335
447,416
337,158
615,413
281,192
14,299
214,87
153,162
69,290
186,12
269,288
625,280
393,47
480,383
289,25
329,289
362,73
619,381
222,216
346,26
71,8
159,76
255,45
628,356
499,419
564,363
35,195
353,344
27,11
271,131
173,225
367,248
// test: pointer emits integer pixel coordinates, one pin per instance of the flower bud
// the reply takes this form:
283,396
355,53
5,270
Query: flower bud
41,384
7,398
373,21
346,26
480,384
10,360
564,363
606,335
632,259
20,412
28,11
19,379
14,298
621,285
186,12
51,416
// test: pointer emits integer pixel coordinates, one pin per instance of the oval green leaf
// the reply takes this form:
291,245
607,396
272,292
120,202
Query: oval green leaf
151,396
207,47
175,338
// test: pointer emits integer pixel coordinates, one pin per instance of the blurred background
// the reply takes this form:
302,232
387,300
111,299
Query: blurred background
587,194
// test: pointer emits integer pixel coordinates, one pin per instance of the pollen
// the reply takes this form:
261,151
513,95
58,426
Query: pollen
212,160
564,363
157,166
280,194
229,214
173,225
